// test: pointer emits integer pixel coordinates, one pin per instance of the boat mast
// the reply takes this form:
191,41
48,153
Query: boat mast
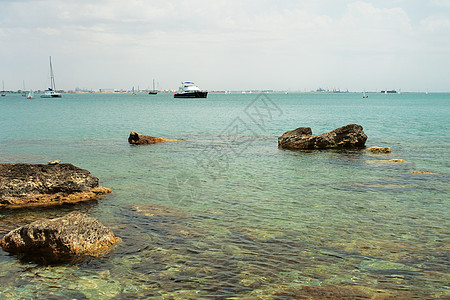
52,78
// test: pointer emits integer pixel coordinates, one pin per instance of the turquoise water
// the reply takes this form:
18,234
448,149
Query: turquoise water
224,213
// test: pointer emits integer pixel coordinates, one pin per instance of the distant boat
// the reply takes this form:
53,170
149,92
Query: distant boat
30,95
132,91
389,92
153,92
3,91
189,90
51,91
364,94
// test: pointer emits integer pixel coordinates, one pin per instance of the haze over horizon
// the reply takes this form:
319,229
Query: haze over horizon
227,45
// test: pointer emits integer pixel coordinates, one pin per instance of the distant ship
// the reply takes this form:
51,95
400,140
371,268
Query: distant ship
189,90
51,91
389,92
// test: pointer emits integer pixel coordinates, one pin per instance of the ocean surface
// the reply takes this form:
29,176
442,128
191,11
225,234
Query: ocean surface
224,213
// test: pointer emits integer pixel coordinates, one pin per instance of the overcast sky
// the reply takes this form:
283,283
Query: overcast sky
227,44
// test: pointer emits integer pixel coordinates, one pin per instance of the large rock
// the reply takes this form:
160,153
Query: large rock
140,139
24,185
349,136
59,239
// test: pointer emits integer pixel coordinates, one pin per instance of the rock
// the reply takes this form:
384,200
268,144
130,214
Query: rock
397,160
52,240
54,162
349,136
379,149
24,185
139,139
424,172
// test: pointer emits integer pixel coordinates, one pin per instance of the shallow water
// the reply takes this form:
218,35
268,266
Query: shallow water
224,213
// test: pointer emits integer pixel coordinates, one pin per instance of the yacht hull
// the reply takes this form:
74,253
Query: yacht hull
51,96
194,94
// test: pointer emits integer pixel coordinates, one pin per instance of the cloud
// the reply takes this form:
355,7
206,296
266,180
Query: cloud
240,42
436,24
442,3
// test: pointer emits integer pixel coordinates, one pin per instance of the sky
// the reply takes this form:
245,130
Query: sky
295,45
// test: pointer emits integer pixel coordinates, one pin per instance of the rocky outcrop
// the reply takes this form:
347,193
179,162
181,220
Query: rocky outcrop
24,185
141,139
379,149
349,136
59,239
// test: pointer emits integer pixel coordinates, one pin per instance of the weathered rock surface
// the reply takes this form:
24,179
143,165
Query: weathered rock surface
349,136
59,239
141,139
24,185
379,149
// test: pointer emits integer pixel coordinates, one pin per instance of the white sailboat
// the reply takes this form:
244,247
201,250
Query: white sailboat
3,91
51,91
30,94
364,94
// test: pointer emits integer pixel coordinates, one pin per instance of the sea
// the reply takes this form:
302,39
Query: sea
223,213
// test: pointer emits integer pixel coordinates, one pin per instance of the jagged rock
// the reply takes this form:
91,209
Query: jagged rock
139,139
59,239
349,136
24,185
379,149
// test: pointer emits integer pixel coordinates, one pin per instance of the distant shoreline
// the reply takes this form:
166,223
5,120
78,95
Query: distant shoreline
226,92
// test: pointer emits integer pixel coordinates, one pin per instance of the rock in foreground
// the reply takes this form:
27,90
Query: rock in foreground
141,139
349,136
24,185
59,239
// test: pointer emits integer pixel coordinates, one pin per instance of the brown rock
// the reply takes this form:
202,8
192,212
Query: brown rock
139,139
379,149
349,136
23,185
52,240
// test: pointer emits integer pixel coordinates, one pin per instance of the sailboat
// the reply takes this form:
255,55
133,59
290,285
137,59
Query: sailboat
30,95
364,94
3,91
132,91
51,91
153,92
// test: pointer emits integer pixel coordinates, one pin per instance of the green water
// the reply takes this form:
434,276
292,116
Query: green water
224,213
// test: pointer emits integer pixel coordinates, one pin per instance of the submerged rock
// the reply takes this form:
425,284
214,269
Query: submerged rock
379,149
395,160
139,139
425,172
59,239
24,185
349,136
